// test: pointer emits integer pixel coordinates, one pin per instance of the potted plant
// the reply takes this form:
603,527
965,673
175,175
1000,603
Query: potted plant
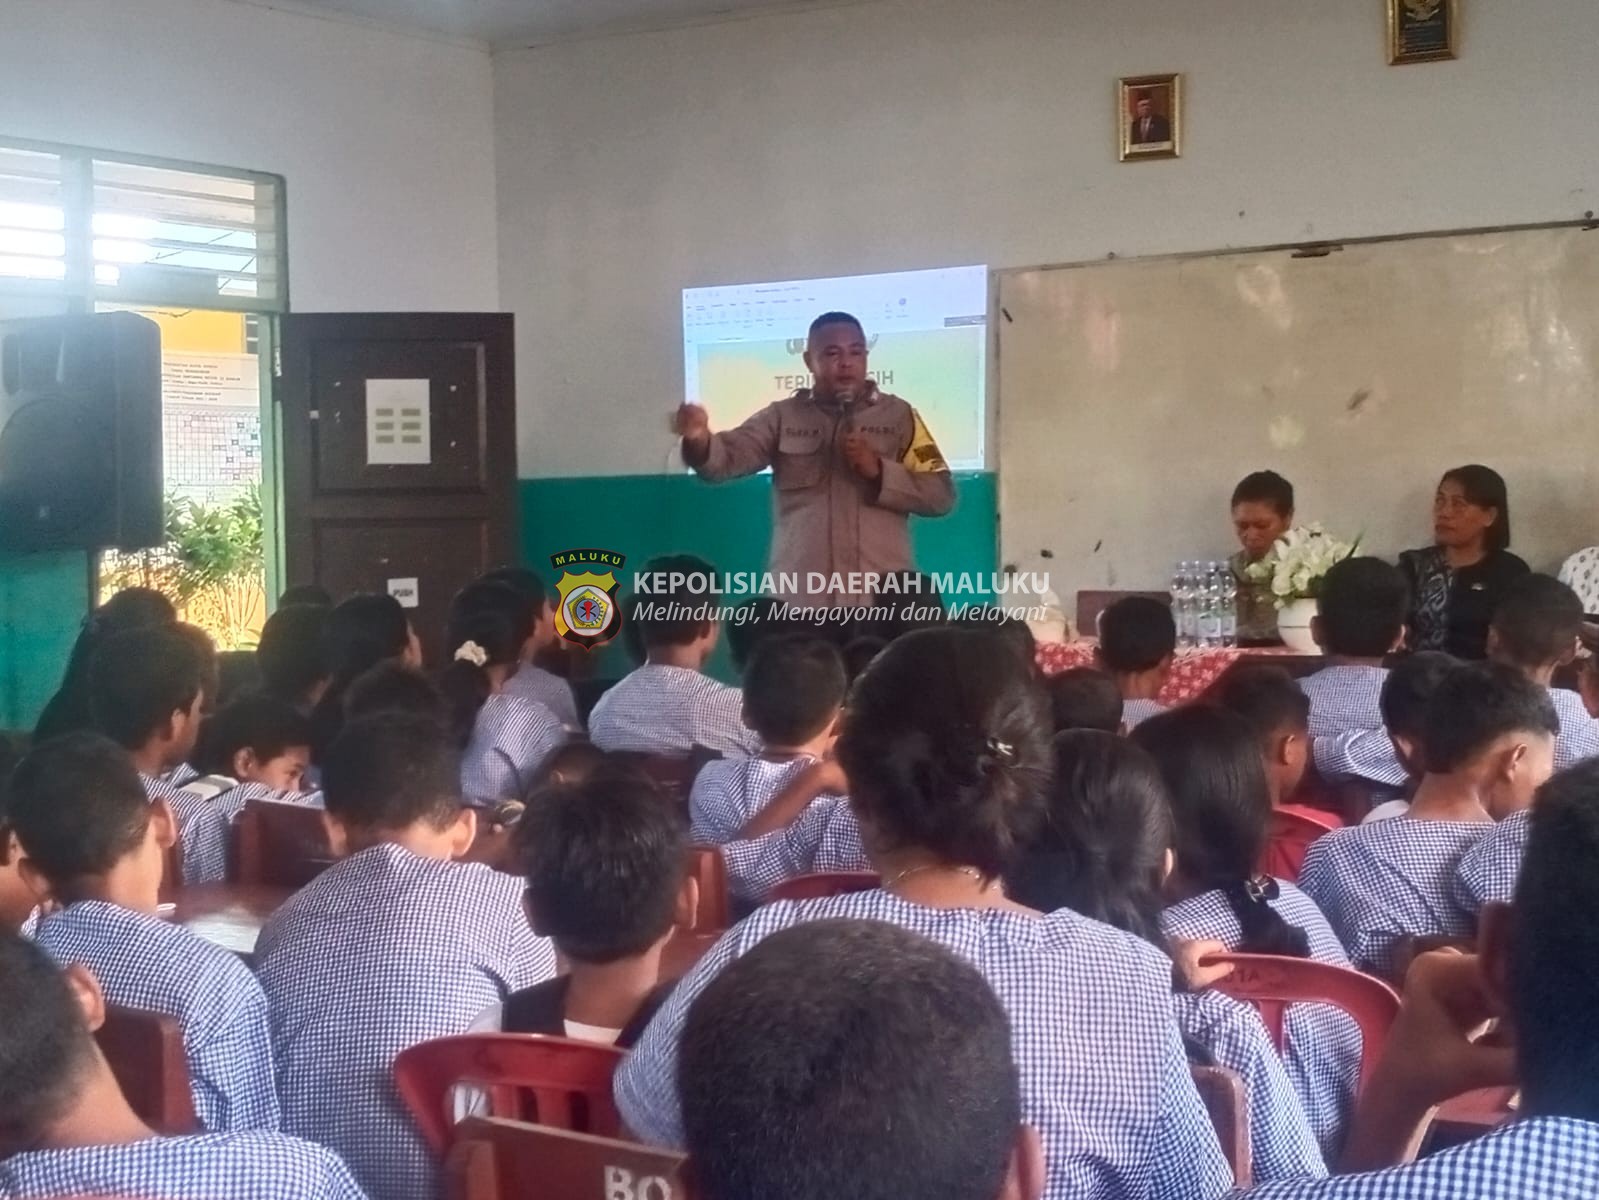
1293,569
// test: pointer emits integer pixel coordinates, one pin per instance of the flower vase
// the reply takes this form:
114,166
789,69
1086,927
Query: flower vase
1293,626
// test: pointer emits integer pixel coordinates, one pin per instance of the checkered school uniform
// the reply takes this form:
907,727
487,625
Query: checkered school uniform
1380,882
825,837
511,740
659,709
1344,697
729,791
379,952
1579,732
202,831
1366,754
181,775
144,962
1321,1044
1282,1144
1489,869
231,801
1136,712
1104,1076
1541,1158
208,1166
542,687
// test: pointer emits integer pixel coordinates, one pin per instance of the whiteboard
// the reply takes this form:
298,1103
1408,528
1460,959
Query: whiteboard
1133,395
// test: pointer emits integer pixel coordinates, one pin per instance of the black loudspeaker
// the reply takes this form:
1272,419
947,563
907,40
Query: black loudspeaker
80,433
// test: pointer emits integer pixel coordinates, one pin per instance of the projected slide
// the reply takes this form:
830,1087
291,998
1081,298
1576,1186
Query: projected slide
742,346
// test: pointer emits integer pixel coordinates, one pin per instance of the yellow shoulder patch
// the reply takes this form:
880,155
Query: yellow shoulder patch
923,453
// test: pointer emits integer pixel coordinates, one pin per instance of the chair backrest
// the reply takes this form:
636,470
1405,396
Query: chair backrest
525,1076
1227,1104
1271,984
824,883
1091,603
706,864
284,845
1290,836
509,1160
171,871
145,1051
684,951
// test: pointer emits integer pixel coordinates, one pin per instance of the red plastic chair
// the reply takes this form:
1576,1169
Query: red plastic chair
145,1053
1291,833
1271,984
1227,1105
825,883
505,1160
706,864
527,1077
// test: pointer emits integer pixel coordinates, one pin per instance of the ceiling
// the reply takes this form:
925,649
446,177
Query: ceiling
527,22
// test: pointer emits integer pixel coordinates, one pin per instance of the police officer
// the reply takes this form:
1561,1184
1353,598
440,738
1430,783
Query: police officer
849,464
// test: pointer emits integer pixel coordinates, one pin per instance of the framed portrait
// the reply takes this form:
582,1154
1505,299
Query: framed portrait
1422,30
1149,117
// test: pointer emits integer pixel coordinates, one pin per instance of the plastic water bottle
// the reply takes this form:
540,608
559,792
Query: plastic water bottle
1185,596
1209,608
1229,606
1179,601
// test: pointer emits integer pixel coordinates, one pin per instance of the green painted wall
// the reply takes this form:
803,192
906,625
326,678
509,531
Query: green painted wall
729,525
43,599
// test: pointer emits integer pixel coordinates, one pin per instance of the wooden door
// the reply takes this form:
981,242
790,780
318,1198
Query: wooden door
399,454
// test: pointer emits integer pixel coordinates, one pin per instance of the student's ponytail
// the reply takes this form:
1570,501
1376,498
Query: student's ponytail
489,625
1264,930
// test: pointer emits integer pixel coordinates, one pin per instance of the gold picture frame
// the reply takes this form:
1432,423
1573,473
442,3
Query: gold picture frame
1422,31
1149,117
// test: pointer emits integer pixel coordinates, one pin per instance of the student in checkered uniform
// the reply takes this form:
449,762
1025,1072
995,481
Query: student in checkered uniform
1488,741
1535,630
361,632
531,681
256,748
395,945
824,837
669,706
1106,853
1277,709
505,738
148,687
67,1130
899,1045
793,691
94,844
1210,760
1360,620
1535,971
1489,869
291,656
1137,643
945,746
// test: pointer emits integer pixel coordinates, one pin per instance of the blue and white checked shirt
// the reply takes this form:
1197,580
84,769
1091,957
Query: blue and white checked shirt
1579,732
550,690
1282,1144
207,1166
202,831
1366,754
1488,871
1136,712
1343,698
729,791
1541,1158
1321,1043
669,710
181,775
144,962
1381,882
382,951
511,739
824,837
1104,1076
232,801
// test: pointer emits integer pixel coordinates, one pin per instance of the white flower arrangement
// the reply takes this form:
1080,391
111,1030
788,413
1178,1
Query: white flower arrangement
1297,563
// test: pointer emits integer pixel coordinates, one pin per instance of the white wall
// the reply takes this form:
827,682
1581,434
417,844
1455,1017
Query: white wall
916,133
386,140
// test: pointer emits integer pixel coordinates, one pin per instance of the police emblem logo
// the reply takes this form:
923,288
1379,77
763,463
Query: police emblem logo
587,612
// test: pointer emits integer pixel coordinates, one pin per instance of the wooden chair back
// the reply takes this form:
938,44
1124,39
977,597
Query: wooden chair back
1227,1104
1091,603
672,773
684,951
709,868
525,1076
507,1160
281,845
824,883
1290,836
171,871
145,1051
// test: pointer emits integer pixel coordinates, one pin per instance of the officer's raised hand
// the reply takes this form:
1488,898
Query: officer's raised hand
861,456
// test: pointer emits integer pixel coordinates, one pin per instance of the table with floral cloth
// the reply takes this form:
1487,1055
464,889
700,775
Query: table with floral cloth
1192,670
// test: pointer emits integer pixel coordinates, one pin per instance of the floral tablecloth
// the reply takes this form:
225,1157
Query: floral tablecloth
1192,672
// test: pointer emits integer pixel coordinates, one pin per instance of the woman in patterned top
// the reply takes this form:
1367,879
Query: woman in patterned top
1263,510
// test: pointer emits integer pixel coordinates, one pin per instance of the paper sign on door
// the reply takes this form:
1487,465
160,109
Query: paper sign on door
398,423
405,591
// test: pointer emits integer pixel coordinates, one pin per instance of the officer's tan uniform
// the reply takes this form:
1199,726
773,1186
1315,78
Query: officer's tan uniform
828,519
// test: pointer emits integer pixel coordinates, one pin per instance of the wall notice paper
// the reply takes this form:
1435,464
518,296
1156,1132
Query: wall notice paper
405,591
398,423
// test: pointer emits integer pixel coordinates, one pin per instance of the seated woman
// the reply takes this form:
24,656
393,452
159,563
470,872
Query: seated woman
1458,582
1263,510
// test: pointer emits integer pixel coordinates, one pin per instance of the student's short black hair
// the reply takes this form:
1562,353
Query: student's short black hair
1409,689
1553,987
291,653
1085,698
264,724
1013,632
604,861
755,620
1474,706
1135,634
793,688
1537,622
571,762
131,608
523,579
46,1050
675,616
848,1059
835,318
1362,606
387,772
908,603
78,807
1221,805
392,687
139,679
313,594
1268,697
1265,487
859,653
361,632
